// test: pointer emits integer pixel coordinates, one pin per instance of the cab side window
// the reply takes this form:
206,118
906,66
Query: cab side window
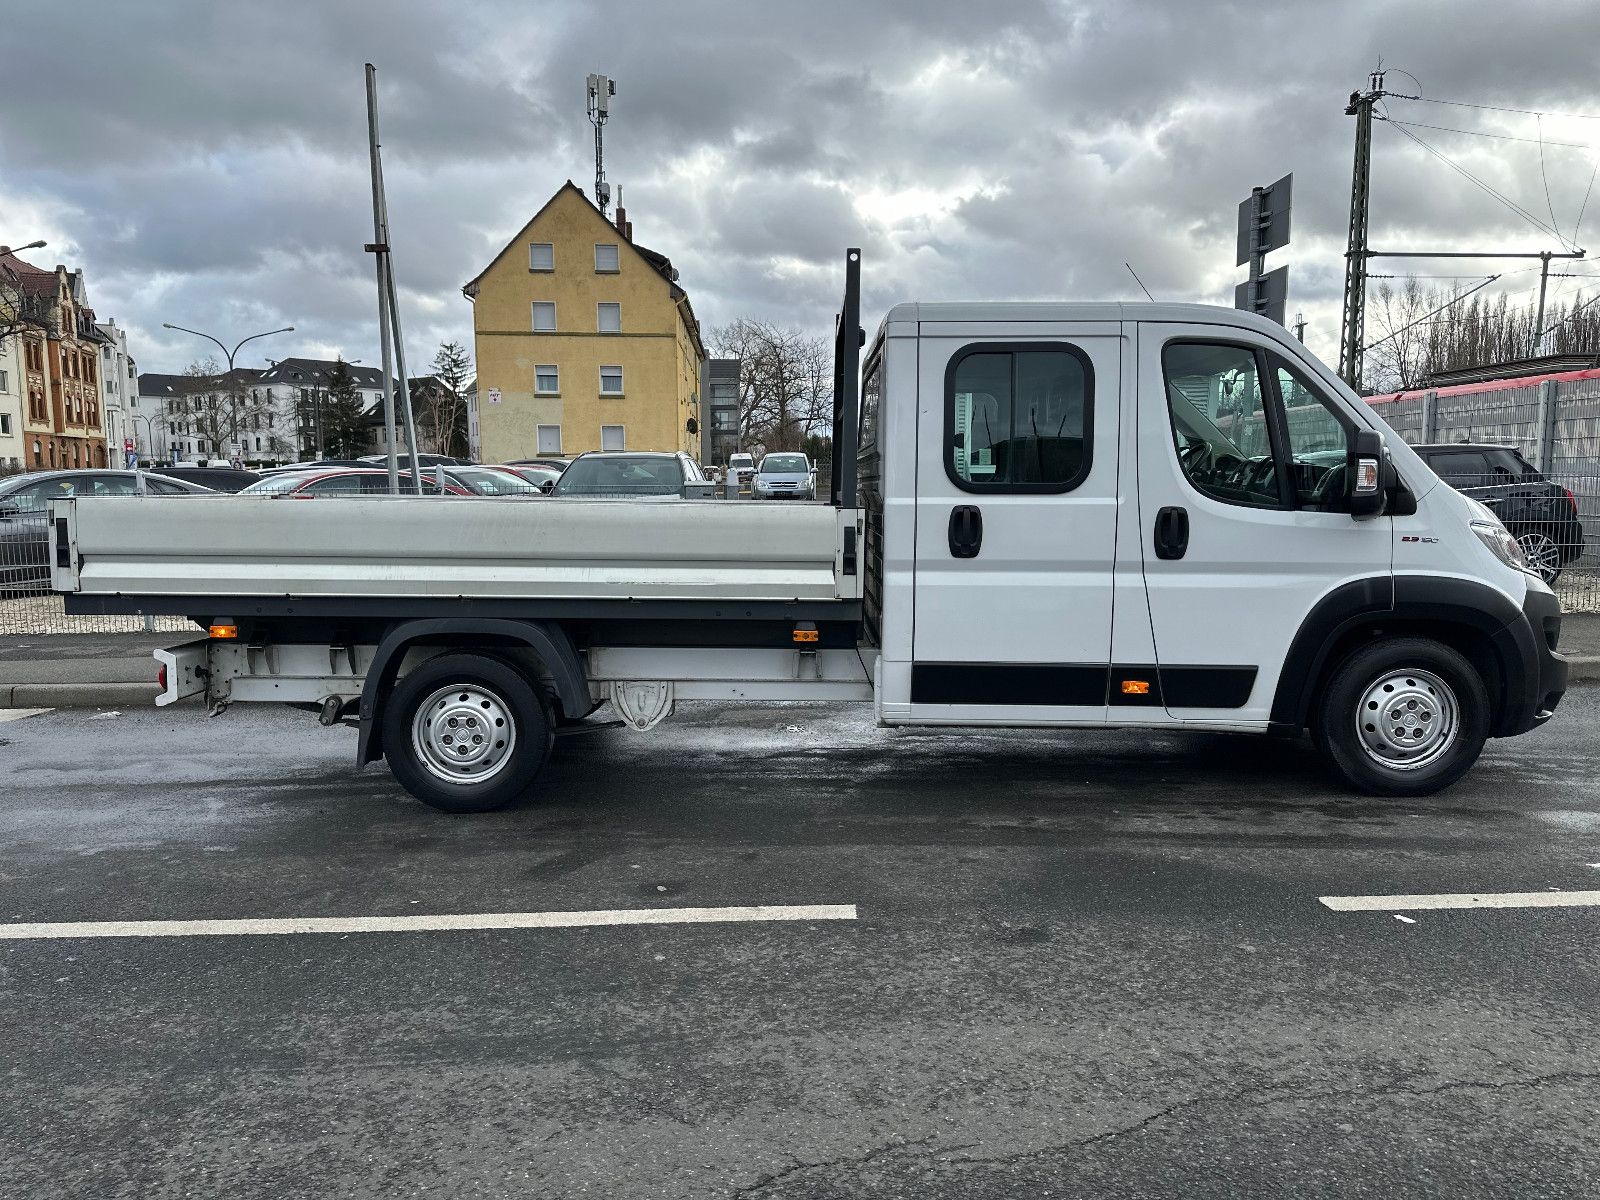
1220,424
1318,439
1018,418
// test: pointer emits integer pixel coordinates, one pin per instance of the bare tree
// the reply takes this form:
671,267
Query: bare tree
442,401
785,383
1422,332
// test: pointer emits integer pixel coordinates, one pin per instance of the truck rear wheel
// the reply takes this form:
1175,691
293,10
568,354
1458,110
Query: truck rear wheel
1403,717
466,733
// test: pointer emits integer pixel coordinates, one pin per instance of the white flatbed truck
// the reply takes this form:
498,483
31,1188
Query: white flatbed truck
1069,515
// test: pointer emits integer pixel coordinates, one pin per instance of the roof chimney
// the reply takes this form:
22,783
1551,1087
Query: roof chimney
622,217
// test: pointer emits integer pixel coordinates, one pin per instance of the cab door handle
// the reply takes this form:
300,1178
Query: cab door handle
966,531
1172,533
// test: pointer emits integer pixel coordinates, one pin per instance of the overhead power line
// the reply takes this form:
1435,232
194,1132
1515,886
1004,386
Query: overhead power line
1510,204
1527,112
1504,137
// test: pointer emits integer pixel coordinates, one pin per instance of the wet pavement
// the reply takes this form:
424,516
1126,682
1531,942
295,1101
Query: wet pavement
1083,964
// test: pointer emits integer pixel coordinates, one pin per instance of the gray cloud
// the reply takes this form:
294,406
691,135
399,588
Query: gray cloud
205,164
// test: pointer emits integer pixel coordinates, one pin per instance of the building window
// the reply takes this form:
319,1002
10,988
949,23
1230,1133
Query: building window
546,381
612,437
605,258
549,439
610,318
611,381
544,316
541,256
5,424
5,381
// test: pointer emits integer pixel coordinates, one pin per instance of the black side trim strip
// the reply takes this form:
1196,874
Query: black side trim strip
1061,684
1207,687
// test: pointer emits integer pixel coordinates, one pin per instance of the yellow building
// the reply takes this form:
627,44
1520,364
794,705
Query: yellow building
584,341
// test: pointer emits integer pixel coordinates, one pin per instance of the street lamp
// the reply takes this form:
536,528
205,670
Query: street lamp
224,349
149,432
36,244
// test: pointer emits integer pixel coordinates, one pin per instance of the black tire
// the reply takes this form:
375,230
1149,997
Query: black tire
1373,756
511,699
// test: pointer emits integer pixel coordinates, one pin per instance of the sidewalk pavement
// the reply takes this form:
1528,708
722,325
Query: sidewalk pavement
83,670
109,670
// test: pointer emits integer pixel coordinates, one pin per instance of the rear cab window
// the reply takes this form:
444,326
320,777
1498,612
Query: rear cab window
1018,417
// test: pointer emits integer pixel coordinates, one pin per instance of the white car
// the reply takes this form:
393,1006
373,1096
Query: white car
782,476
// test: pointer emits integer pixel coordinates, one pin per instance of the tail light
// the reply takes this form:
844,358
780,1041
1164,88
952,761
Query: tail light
1572,500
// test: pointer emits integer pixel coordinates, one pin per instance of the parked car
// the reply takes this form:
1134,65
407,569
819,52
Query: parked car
740,468
25,515
345,483
783,475
614,475
217,479
1541,515
540,477
426,459
555,464
484,481
323,463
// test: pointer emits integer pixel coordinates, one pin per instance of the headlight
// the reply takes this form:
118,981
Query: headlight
1501,544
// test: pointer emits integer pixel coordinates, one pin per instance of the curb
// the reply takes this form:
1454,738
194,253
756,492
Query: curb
78,695
1583,668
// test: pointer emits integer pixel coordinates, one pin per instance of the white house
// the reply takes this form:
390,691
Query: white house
11,455
119,391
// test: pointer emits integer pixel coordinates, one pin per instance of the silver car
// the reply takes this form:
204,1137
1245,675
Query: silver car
782,476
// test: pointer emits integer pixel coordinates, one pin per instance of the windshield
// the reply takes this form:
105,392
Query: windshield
620,475
276,485
785,464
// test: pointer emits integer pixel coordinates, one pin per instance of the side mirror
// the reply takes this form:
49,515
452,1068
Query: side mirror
1368,475
548,486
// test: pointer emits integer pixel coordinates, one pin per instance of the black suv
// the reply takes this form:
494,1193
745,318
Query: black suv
1541,515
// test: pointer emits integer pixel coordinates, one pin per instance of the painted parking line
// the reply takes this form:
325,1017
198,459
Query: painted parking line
16,714
1463,900
36,930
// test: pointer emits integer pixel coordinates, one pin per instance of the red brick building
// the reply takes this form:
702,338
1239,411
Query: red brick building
59,363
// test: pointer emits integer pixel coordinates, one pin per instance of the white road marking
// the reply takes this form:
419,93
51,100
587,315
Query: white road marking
16,714
421,924
1463,900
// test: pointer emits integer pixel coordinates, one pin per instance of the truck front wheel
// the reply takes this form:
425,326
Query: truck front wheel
1403,717
466,733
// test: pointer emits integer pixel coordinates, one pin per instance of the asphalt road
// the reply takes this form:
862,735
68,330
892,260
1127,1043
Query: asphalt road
1083,965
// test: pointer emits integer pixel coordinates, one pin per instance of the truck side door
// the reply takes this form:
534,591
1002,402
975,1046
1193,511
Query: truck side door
1016,512
1242,451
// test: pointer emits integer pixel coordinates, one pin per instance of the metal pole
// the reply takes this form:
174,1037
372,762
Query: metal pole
405,381
1258,256
380,245
1353,333
1538,321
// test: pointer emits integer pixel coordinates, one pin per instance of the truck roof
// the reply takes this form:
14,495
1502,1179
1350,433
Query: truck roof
1063,311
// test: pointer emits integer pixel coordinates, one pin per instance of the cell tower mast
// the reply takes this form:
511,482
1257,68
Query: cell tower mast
601,89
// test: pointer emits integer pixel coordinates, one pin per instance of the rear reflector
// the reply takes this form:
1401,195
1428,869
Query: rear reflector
224,631
1135,687
161,677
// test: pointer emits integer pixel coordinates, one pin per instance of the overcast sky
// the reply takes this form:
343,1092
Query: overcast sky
205,162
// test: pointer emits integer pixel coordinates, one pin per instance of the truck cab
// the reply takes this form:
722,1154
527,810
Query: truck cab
1150,514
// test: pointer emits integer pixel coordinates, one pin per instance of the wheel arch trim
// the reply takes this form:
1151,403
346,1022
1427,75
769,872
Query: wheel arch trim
548,643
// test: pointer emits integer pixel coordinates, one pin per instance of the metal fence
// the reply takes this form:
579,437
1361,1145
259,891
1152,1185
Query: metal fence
1554,426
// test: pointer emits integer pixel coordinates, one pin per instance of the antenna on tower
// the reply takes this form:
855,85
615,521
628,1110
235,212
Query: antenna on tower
601,89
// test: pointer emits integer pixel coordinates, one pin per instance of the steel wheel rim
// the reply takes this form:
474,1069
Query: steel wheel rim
1542,553
1407,719
464,734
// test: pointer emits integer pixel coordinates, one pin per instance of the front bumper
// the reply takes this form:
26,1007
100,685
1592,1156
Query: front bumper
1535,671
